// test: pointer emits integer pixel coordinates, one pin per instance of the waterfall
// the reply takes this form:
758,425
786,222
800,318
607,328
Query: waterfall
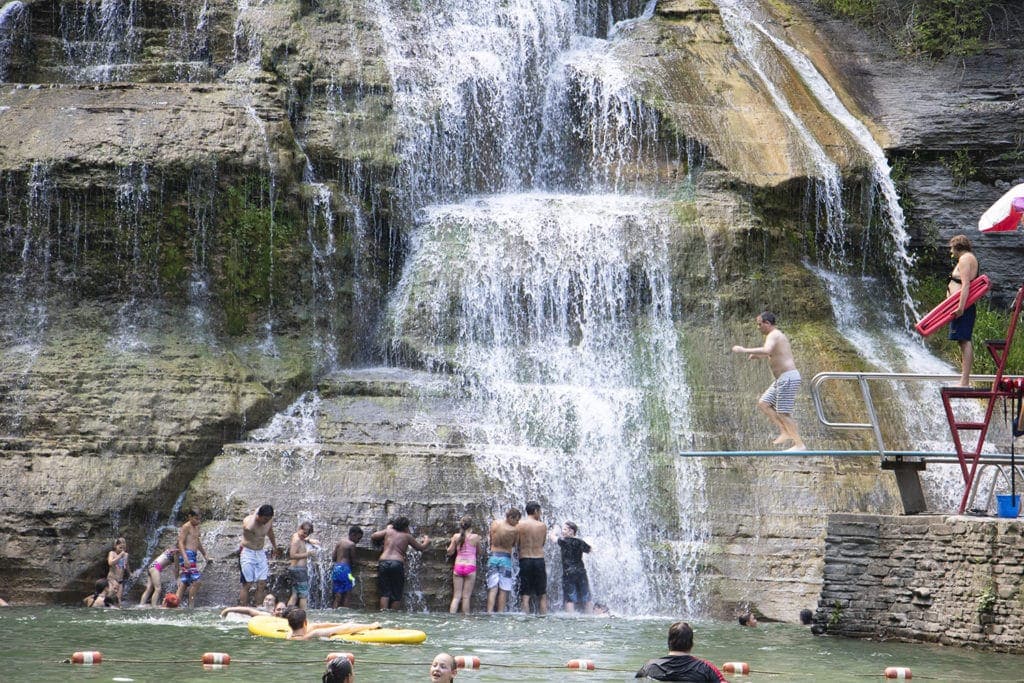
558,307
739,17
12,23
132,205
882,183
101,38
555,307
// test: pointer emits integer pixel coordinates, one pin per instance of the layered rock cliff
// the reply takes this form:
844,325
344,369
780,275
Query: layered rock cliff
206,206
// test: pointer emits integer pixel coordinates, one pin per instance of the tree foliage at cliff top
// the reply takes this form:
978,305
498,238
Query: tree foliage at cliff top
936,28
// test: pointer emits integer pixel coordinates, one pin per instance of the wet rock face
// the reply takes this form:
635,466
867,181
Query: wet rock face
168,198
370,446
102,431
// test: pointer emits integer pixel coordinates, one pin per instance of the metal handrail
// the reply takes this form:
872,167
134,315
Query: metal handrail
864,379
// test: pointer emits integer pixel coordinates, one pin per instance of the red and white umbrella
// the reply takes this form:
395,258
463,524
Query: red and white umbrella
1005,215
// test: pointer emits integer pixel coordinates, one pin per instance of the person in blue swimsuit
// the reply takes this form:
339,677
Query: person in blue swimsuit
343,579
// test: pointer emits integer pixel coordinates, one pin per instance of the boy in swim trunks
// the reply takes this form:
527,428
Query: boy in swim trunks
189,544
500,575
301,631
301,547
531,534
779,399
342,578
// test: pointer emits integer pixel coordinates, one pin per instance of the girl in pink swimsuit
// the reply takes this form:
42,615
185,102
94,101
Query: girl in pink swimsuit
465,546
163,561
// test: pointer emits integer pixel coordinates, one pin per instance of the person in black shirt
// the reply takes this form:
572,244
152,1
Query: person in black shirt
680,665
575,584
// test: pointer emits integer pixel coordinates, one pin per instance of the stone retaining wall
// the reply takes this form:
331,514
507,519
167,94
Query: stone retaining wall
944,579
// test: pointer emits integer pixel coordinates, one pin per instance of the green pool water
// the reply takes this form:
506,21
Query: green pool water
165,645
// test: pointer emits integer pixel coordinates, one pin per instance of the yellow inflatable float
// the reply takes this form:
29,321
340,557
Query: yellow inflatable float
276,627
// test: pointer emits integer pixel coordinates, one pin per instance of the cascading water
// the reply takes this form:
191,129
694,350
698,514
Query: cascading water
133,197
12,25
880,339
881,177
557,308
101,39
754,44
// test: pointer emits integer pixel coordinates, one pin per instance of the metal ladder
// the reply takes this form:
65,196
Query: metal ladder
1000,352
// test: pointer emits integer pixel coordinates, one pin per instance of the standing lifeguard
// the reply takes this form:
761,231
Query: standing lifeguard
778,401
961,328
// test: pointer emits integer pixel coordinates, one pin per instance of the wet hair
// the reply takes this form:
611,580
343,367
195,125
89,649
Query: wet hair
99,587
465,524
572,525
400,523
744,618
307,527
767,317
355,531
532,506
960,243
513,513
193,512
120,541
296,618
680,637
806,616
265,510
338,670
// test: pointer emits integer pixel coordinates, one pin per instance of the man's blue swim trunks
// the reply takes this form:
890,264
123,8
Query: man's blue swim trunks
342,580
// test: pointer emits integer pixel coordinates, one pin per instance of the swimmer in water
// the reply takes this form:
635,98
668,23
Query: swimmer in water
443,669
301,631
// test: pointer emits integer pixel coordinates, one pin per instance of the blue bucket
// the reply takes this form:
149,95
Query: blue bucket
1008,506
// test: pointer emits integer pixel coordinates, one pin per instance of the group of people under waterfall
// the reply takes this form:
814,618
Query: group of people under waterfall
516,563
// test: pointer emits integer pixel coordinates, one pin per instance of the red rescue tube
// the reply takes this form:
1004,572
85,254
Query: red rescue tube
899,672
1005,215
467,662
341,655
943,313
736,668
87,657
216,658
580,664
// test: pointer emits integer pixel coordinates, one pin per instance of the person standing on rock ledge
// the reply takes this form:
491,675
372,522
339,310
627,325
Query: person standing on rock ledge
252,558
391,566
778,401
500,575
531,533
190,546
